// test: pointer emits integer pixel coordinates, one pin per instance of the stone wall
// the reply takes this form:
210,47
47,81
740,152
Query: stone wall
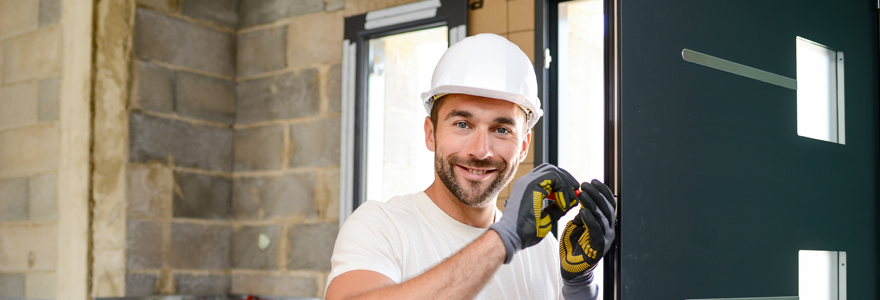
234,143
286,148
30,70
180,162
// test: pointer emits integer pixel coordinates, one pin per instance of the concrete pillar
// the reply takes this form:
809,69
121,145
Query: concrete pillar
75,141
113,39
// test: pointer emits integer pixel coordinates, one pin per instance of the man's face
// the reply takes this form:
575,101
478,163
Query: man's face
478,143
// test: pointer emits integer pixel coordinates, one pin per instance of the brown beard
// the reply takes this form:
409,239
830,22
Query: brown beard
471,195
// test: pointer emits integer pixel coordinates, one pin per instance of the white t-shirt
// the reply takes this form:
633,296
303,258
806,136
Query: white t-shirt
409,235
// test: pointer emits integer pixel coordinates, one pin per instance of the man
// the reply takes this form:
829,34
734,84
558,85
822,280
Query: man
435,244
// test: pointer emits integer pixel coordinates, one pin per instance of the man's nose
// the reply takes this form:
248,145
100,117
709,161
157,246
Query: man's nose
479,146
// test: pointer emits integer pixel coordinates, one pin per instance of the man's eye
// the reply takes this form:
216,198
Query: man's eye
461,125
502,130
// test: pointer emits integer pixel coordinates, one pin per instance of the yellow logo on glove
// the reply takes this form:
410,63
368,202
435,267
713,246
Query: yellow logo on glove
571,262
542,225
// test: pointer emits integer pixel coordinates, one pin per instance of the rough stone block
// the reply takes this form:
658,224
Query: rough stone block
311,246
201,196
149,190
333,5
37,254
48,101
12,285
202,285
182,43
18,16
246,253
274,197
13,199
39,285
334,89
259,148
520,15
278,97
222,12
327,196
261,51
491,18
43,197
205,97
315,143
256,12
155,90
315,39
197,246
292,286
164,5
50,12
1,63
33,55
141,284
196,146
144,244
18,105
32,149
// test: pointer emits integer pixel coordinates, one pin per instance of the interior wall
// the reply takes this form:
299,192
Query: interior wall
286,146
30,80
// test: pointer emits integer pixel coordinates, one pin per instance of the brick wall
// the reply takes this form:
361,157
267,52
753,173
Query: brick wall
30,69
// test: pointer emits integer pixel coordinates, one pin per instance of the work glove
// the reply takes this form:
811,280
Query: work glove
528,214
586,239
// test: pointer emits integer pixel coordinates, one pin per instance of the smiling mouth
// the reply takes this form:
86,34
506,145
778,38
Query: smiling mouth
476,171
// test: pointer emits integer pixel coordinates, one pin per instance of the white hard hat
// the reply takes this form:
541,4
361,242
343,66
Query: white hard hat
487,65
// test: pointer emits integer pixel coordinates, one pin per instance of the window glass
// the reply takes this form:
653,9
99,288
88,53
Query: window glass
400,67
819,92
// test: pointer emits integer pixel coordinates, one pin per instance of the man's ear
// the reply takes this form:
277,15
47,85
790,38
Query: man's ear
429,134
525,146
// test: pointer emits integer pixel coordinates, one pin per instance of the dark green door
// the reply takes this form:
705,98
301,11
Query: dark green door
717,190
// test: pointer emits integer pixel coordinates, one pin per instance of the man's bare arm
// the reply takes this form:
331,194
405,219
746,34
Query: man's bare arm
462,276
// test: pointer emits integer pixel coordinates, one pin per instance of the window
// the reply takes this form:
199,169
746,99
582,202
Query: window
577,75
820,109
397,161
388,58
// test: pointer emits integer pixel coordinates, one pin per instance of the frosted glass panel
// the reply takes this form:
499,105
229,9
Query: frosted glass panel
819,92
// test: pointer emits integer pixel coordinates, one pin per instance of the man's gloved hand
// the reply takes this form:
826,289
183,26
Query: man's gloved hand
586,239
528,215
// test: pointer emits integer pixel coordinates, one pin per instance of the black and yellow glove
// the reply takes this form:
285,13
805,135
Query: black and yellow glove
528,214
586,239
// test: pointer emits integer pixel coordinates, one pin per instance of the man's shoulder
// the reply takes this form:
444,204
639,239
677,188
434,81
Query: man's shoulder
397,209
